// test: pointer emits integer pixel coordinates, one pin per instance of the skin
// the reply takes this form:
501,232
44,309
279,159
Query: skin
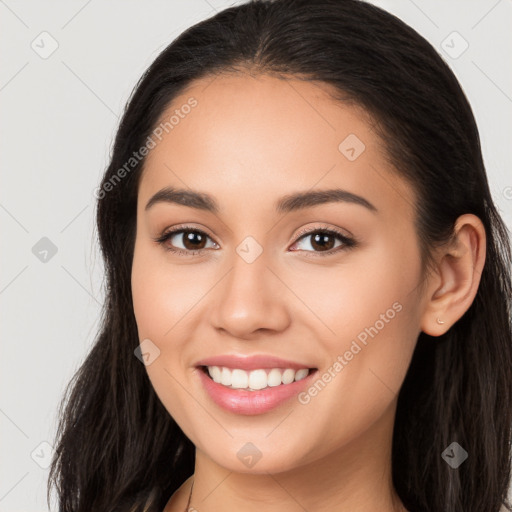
249,141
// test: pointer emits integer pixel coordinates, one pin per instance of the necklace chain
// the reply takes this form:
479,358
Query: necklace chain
189,496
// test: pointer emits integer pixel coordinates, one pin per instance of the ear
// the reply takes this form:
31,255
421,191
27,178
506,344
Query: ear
454,285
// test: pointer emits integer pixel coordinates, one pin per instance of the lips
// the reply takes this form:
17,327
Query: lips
245,402
254,362
253,401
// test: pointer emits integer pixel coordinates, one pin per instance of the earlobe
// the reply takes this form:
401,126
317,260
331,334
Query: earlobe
455,284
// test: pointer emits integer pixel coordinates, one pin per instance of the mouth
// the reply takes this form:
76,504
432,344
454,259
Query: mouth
256,391
255,380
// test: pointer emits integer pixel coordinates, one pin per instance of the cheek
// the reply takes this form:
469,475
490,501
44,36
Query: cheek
381,309
367,288
161,299
370,307
163,294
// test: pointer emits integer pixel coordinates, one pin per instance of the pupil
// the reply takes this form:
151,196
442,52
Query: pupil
319,241
189,238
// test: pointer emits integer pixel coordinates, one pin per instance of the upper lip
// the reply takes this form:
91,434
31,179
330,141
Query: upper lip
251,362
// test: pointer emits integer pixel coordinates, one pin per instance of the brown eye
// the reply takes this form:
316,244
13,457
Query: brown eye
321,242
324,241
191,240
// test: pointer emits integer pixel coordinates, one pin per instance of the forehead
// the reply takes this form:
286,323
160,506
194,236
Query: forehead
257,137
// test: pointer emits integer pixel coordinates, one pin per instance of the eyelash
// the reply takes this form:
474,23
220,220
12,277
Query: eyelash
348,243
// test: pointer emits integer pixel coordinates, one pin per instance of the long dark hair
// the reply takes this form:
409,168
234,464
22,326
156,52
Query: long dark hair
117,448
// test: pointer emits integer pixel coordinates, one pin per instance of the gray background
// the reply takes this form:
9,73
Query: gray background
59,116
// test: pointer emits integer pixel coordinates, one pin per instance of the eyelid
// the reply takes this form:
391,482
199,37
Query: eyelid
306,231
180,228
347,241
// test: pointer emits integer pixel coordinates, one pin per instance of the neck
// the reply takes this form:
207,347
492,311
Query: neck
355,477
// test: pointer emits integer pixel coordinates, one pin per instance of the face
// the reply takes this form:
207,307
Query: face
327,283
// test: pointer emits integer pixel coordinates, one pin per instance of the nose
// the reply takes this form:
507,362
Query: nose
249,299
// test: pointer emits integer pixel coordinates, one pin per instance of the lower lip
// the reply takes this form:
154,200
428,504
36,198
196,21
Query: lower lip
241,401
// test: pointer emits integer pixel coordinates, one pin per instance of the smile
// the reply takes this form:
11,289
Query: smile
253,392
256,379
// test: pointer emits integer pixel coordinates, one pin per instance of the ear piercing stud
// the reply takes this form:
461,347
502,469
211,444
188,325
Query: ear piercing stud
439,321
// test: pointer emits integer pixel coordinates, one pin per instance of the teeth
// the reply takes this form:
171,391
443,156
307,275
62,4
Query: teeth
239,379
288,376
274,377
255,379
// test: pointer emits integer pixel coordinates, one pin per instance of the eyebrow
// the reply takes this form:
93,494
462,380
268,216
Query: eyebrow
288,203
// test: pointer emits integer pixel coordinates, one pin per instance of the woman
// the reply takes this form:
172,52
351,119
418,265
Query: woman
308,283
